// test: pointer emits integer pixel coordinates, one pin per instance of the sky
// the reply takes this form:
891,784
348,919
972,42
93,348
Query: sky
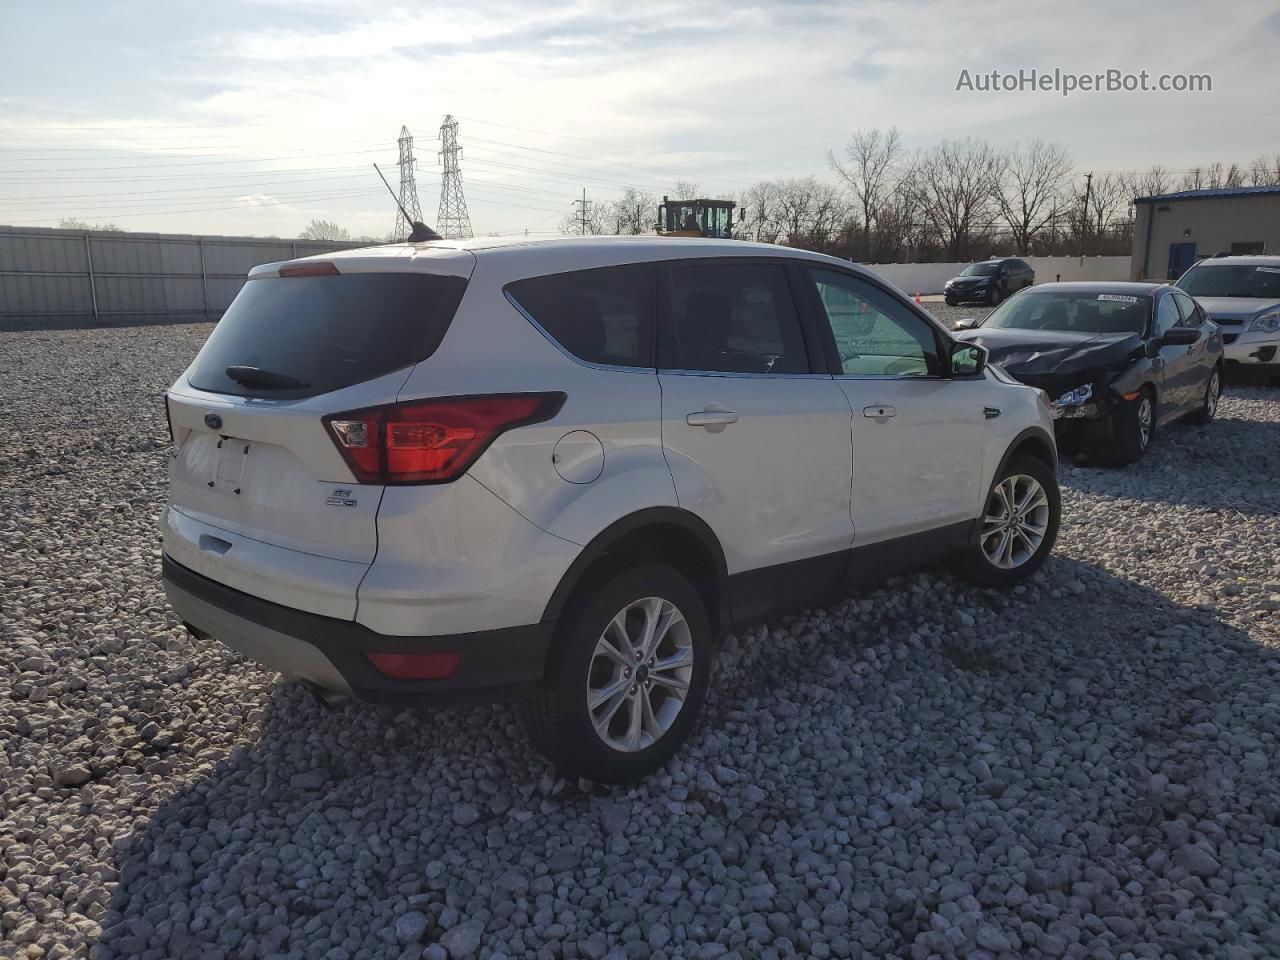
253,117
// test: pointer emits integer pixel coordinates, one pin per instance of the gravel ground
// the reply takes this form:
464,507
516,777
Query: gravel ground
1086,767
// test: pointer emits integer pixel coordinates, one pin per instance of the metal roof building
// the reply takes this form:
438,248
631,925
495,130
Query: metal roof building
1174,230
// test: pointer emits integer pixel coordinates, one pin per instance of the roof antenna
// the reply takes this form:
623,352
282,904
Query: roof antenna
421,232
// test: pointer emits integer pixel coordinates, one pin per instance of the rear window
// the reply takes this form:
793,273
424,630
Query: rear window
602,315
328,332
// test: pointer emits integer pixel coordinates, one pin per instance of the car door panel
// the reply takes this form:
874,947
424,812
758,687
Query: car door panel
920,468
917,436
757,442
1172,360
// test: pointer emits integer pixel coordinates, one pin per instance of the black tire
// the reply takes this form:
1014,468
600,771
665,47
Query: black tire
1209,402
556,715
1131,441
973,562
951,302
993,296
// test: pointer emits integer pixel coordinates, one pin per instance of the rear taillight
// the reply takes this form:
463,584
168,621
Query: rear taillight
416,666
431,441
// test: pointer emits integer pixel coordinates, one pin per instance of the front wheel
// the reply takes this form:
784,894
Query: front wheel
1018,527
628,675
1135,428
993,297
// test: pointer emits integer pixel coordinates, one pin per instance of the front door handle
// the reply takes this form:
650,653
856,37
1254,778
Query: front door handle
711,418
879,411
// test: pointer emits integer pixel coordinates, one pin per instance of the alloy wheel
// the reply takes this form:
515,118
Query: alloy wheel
1215,391
1144,421
639,674
1016,521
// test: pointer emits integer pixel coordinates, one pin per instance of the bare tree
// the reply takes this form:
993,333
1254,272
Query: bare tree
635,212
75,223
956,183
869,171
324,230
684,190
760,223
1031,180
1153,182
1264,171
592,223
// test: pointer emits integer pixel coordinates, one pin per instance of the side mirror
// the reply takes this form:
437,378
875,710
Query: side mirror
1179,337
968,323
968,359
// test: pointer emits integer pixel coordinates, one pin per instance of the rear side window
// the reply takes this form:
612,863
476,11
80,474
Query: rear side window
328,332
600,316
730,318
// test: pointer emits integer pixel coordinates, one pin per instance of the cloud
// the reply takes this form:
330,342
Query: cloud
719,93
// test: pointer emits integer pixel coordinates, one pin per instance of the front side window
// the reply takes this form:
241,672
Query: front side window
876,336
730,318
1072,312
1190,312
600,316
1167,315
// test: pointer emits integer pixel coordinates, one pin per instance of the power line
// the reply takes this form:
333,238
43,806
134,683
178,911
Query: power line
199,163
622,168
239,206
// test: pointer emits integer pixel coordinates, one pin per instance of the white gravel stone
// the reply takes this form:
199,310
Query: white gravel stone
1081,768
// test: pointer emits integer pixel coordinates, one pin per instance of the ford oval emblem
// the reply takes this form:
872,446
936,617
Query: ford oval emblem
213,421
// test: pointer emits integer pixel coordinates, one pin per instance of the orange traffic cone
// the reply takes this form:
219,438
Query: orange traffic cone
917,296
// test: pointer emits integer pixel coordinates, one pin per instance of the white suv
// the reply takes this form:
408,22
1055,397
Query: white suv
559,471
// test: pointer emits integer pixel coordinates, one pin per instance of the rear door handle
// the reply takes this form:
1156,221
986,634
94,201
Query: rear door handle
879,411
711,418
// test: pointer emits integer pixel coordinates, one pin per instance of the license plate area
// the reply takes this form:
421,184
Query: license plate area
230,464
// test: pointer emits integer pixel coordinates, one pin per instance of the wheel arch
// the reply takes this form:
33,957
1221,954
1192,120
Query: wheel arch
1034,442
667,534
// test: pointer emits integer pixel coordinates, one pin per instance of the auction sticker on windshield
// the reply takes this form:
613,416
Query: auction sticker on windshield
1117,298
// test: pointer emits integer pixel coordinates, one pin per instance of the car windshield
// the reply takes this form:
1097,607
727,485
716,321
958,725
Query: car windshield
1233,280
981,270
1073,312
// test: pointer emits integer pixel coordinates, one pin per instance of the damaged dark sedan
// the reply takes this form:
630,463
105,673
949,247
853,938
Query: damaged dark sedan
1117,360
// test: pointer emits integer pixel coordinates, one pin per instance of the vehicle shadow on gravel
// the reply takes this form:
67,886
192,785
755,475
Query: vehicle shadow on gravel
1213,467
1089,720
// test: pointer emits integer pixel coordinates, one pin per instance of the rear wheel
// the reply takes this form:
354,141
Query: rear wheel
1018,527
1212,394
1134,427
628,676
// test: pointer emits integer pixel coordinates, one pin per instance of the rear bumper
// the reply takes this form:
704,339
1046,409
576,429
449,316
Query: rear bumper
333,654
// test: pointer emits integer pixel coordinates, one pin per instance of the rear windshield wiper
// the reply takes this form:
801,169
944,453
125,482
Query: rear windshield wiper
264,379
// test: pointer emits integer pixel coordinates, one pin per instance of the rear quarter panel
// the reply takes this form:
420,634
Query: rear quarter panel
491,347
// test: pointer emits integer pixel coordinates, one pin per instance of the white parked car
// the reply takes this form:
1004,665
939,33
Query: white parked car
1242,295
560,470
